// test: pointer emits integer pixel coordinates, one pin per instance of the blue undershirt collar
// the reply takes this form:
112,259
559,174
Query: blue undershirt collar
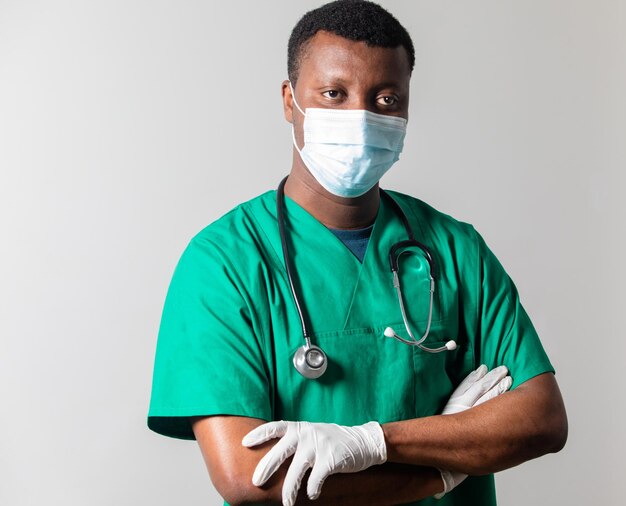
355,239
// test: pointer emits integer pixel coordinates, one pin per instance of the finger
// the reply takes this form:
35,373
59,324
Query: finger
471,378
482,386
293,478
268,465
501,387
265,432
316,480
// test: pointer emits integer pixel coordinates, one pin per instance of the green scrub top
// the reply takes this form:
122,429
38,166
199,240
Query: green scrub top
230,327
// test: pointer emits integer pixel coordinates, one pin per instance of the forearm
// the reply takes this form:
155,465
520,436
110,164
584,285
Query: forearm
517,426
231,473
383,485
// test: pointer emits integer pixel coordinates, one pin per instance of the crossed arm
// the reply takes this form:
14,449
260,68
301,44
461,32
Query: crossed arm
520,425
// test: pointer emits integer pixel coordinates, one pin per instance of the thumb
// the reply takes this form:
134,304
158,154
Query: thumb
264,433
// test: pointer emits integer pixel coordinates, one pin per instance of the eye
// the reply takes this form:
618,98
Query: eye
387,100
332,94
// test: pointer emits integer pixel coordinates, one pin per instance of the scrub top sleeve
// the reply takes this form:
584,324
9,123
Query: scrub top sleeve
208,357
507,336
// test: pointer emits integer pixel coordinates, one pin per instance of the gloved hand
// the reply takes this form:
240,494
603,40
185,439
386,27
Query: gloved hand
327,448
478,387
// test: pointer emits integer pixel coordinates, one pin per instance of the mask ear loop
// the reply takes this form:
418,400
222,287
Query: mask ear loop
293,132
293,96
295,144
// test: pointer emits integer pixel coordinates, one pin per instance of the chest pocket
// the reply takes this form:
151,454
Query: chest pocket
373,377
369,377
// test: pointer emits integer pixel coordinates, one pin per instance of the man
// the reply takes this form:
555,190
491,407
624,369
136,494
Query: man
359,395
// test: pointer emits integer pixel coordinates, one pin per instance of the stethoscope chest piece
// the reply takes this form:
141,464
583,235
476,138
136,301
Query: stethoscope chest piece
310,361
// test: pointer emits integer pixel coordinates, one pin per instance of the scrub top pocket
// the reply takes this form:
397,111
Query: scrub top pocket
368,378
373,377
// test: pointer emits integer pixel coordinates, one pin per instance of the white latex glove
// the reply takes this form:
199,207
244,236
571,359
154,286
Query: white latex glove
326,447
478,387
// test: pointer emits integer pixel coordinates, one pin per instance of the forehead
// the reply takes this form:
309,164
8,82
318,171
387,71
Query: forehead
327,54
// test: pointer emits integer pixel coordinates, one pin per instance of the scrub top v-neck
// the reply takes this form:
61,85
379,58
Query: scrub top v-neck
230,328
355,240
338,291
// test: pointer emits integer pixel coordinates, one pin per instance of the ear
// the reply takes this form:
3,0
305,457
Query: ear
287,101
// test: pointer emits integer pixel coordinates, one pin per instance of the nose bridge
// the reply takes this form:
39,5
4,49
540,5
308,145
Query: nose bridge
360,102
360,98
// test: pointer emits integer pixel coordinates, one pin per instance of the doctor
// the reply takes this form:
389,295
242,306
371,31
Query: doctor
385,421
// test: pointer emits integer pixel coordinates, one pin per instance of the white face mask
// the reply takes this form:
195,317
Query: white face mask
349,150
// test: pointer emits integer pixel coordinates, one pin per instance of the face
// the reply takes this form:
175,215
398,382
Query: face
337,73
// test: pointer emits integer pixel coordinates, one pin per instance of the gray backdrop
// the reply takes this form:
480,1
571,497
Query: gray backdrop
126,126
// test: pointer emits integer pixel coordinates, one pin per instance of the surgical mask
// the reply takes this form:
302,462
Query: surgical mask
347,150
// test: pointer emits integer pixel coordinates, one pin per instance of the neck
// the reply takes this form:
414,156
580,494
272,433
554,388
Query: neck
331,210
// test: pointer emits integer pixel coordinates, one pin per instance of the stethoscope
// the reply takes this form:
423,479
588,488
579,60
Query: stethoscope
310,360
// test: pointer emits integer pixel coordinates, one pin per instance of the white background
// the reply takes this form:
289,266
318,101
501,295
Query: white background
127,126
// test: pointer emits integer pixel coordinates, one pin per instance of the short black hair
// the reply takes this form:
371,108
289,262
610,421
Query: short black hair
357,20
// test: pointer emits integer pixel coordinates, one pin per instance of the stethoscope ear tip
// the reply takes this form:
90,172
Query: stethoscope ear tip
451,345
389,332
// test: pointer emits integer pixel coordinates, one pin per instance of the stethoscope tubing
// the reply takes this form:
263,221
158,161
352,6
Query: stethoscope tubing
396,251
280,205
